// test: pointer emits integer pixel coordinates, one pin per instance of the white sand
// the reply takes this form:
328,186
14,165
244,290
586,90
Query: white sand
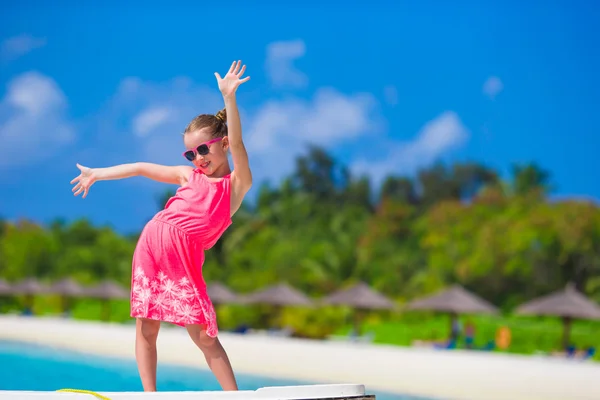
457,375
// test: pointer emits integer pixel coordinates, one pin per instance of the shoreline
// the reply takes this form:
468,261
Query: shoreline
456,374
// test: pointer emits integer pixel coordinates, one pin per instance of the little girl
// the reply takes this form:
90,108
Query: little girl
167,283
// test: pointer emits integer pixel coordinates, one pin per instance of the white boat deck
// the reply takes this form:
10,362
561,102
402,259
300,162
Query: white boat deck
304,392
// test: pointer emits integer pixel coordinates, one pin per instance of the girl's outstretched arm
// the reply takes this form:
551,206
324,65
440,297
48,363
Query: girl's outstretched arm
162,173
241,177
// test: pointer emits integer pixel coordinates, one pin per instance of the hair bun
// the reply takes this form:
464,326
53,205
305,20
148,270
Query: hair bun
222,115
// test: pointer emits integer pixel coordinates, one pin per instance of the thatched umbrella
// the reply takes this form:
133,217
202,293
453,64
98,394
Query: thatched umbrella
66,288
281,294
362,298
29,287
359,296
221,294
107,290
278,296
4,287
568,304
453,300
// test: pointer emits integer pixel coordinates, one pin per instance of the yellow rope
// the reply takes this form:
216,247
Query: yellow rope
99,396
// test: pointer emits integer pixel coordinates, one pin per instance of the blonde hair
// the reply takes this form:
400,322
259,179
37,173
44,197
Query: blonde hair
217,123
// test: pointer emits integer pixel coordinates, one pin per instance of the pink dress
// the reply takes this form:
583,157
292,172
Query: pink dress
167,283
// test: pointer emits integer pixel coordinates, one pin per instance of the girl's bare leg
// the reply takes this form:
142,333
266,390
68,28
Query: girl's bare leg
146,332
215,356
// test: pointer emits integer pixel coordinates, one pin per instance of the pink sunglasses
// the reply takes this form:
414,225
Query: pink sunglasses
203,150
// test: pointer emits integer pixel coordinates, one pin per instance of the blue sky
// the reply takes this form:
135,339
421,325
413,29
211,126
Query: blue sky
386,88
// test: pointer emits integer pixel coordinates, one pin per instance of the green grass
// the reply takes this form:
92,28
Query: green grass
528,335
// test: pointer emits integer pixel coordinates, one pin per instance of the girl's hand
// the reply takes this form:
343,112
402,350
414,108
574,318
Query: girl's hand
84,181
229,84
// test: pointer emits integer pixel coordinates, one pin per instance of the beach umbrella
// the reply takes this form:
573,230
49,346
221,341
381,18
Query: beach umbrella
66,288
29,286
4,287
107,290
453,300
281,294
277,296
362,298
221,294
567,304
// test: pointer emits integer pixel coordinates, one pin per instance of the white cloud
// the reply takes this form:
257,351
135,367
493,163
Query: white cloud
437,137
35,94
492,87
328,117
279,130
279,63
33,119
150,119
17,46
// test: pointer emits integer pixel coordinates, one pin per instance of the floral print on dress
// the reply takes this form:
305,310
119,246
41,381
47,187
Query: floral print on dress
179,302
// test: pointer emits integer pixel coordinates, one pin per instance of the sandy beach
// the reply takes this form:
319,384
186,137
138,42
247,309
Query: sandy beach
456,375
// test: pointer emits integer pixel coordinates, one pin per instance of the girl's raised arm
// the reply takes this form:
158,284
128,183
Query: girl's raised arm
241,177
